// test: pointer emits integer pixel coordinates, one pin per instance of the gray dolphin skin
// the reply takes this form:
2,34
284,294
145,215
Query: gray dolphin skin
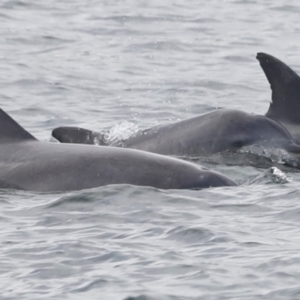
224,129
29,164
210,133
285,86
213,132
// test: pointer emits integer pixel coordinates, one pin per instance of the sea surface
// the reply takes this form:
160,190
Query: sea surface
127,65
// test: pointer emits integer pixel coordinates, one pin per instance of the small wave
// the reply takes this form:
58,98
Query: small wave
73,199
105,194
146,297
190,235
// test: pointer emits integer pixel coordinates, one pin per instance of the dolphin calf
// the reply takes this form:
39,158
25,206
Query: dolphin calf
285,86
29,164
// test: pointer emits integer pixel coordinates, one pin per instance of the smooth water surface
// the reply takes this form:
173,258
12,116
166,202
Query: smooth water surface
98,64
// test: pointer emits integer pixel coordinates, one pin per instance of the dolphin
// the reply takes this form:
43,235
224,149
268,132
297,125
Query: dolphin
214,132
285,86
29,164
217,131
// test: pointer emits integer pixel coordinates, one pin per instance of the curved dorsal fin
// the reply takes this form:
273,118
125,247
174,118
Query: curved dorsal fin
285,85
11,130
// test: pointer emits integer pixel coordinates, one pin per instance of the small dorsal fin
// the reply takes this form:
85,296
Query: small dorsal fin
11,130
78,135
285,85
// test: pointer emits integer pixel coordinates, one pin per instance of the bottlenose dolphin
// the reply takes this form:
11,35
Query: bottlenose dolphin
285,86
210,133
214,132
29,164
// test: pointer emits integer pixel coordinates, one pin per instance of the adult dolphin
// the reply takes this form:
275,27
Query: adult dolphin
213,132
210,133
29,164
285,86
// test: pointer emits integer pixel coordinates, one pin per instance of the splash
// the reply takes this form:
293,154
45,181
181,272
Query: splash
271,175
277,176
275,155
120,132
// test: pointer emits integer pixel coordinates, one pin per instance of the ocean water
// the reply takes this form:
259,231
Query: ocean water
103,64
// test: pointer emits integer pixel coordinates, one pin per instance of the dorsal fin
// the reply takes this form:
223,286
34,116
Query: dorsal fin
285,85
78,135
11,130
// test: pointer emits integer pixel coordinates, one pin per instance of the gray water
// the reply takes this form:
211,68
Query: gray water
96,64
